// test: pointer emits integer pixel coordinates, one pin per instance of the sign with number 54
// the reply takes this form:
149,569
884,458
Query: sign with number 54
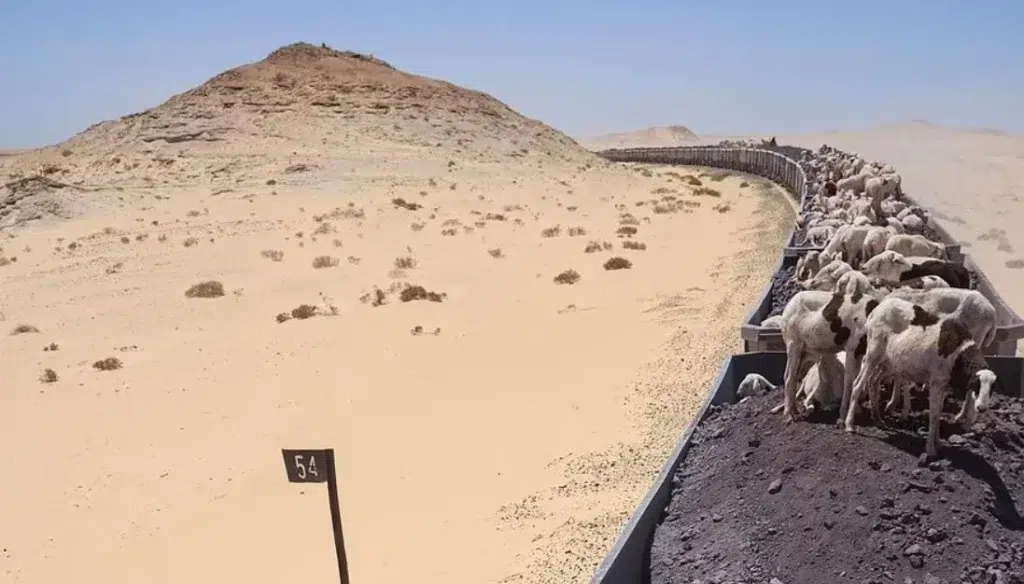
305,466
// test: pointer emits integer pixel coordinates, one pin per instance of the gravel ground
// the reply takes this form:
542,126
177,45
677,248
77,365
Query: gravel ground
806,503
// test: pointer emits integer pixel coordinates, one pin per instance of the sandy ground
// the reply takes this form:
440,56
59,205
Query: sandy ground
510,446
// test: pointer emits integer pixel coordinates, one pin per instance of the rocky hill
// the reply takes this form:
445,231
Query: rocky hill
300,107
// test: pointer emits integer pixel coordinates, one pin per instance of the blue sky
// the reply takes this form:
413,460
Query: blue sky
587,68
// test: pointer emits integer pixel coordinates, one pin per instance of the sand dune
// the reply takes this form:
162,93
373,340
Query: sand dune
502,434
654,137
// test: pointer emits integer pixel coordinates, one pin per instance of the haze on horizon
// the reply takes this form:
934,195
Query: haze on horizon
585,68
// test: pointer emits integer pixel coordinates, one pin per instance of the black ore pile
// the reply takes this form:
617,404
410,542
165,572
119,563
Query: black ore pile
807,503
783,289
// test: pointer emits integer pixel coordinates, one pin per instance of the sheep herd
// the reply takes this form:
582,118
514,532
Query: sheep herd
881,303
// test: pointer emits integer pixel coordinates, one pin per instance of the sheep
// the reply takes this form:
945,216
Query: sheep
819,234
772,322
913,223
753,384
895,225
927,283
828,275
852,282
876,241
821,385
849,240
905,341
807,266
896,268
916,245
970,307
817,323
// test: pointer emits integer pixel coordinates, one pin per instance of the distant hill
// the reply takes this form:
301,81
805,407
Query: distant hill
653,137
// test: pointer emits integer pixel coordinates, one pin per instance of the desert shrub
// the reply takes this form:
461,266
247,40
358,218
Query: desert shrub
618,263
405,263
626,230
48,376
208,289
24,328
707,192
551,231
410,293
325,262
575,231
273,254
635,245
595,246
108,364
567,277
496,252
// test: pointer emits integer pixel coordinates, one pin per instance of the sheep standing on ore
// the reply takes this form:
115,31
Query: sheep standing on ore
906,342
821,323
968,307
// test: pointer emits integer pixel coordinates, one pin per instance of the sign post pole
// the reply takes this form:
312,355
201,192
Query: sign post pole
317,466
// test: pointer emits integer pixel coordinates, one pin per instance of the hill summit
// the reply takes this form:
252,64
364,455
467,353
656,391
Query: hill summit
302,100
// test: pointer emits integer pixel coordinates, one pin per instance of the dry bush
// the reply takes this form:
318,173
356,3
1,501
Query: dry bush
744,184
595,246
320,262
1015,264
49,376
626,230
618,263
191,241
692,180
635,245
400,202
125,239
568,277
707,192
661,191
325,228
417,226
719,175
7,261
665,208
628,219
405,263
449,232
411,292
496,253
495,217
193,213
304,311
113,269
575,231
208,289
24,328
723,207
51,347
551,231
273,254
108,364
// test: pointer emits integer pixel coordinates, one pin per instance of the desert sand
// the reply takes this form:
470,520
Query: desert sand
497,427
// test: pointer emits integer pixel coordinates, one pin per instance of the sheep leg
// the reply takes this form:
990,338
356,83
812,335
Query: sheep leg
794,361
906,400
854,367
875,398
968,414
936,395
894,399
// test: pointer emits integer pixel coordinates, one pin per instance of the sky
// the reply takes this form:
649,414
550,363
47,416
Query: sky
729,67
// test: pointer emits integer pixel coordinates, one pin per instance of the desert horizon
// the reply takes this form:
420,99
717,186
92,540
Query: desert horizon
501,334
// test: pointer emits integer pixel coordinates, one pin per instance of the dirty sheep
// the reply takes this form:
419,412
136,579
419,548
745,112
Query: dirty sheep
818,323
916,245
907,343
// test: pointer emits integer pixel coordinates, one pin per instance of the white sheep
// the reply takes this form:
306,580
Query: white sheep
896,268
896,226
849,241
821,385
807,266
913,223
916,245
828,275
818,323
908,343
772,322
853,282
970,307
819,235
752,385
875,241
